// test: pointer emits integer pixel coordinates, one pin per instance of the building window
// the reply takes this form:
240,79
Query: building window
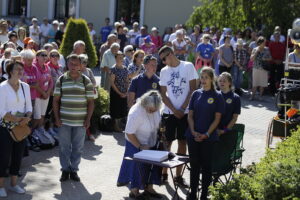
17,7
128,11
65,9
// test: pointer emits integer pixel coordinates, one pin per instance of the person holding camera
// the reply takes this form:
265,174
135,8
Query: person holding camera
15,109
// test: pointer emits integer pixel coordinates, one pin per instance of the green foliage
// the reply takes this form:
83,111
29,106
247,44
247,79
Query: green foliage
101,103
239,14
276,176
77,29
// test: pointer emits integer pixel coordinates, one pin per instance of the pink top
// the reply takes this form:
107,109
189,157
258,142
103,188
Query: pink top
31,76
149,49
45,79
157,41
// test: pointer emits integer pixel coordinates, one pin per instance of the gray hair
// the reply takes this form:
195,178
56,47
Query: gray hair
115,45
111,36
78,43
151,99
27,54
83,58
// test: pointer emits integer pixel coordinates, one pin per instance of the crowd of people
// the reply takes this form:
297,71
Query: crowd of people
149,77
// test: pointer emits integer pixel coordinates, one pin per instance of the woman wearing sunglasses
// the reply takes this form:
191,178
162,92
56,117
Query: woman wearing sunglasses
43,91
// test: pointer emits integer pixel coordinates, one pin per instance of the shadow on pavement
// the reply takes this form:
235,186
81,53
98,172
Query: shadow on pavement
267,102
76,191
119,137
91,150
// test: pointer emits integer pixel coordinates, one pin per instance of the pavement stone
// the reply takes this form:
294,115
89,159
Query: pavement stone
101,162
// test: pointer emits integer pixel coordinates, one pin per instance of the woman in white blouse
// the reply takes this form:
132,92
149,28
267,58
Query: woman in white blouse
141,133
15,108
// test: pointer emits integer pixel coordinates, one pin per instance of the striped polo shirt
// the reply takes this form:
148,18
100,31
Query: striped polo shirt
74,95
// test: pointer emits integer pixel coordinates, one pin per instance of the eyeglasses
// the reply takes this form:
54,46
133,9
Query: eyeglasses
130,50
148,58
207,38
54,55
43,55
165,57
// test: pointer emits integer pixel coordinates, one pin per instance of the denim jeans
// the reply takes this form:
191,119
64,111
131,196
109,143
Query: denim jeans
71,142
237,76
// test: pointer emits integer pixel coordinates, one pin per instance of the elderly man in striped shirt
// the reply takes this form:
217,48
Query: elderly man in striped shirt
73,106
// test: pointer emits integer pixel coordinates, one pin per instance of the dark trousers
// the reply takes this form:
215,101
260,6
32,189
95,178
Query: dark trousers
223,68
11,153
276,73
200,160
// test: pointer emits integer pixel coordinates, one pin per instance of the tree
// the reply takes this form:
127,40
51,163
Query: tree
239,14
77,29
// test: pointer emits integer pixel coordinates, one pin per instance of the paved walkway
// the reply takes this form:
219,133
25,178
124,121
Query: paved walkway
101,163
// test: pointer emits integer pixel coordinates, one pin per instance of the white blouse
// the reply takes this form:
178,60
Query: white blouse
12,101
143,124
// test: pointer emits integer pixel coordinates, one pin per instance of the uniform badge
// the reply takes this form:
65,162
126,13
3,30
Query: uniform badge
229,101
154,85
210,100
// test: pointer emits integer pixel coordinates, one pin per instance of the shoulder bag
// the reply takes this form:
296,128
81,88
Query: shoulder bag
20,132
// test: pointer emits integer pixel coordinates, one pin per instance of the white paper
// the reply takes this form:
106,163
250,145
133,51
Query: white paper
152,155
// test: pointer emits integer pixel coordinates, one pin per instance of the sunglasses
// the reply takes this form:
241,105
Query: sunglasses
165,57
43,55
54,56
130,50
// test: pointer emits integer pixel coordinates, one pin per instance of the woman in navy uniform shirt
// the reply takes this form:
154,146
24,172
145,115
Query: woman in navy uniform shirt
205,110
232,103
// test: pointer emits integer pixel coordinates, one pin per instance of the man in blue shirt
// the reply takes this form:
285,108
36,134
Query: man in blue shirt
105,30
144,82
139,40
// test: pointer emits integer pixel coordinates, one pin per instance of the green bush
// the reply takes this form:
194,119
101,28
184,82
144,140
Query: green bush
275,177
77,29
101,108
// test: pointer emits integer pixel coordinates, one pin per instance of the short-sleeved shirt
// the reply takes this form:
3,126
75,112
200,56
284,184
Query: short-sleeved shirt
205,50
108,59
132,68
141,84
227,54
205,104
232,106
73,96
144,125
105,31
260,56
31,76
121,75
177,80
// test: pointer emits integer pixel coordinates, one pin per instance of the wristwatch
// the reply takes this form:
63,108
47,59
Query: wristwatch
207,134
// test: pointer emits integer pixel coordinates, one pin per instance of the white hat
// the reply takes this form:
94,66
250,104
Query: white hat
34,19
154,29
240,41
55,22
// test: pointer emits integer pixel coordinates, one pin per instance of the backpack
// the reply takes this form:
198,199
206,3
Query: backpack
61,79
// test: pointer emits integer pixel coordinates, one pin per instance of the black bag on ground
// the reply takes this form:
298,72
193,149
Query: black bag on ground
106,123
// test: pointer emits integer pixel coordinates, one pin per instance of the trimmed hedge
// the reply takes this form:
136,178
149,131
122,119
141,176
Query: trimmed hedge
77,29
275,177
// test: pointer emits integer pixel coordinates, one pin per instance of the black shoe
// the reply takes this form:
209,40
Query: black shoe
137,196
64,176
74,176
181,182
191,196
153,194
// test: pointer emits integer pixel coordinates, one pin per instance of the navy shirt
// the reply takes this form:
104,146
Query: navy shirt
142,84
232,106
205,105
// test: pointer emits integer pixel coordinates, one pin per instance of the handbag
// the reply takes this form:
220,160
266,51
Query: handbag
20,132
266,65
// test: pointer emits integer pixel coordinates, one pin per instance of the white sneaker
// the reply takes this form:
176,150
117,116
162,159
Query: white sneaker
3,192
17,189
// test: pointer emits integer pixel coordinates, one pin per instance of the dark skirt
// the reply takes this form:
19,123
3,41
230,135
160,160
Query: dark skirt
118,105
135,173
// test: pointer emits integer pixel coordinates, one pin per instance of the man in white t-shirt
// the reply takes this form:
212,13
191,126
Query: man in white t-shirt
177,81
45,27
133,33
35,31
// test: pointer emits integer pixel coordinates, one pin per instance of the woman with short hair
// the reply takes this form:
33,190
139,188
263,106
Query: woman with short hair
136,67
15,109
141,133
259,55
